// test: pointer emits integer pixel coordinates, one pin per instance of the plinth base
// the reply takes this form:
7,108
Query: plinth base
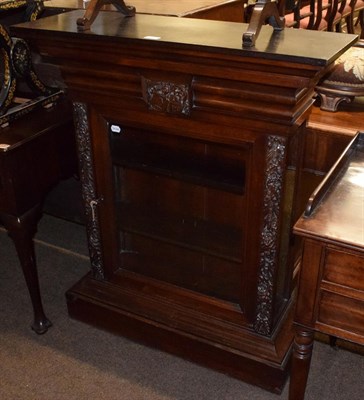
106,306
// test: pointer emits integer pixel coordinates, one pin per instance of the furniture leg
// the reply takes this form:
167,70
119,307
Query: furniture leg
263,10
301,359
94,8
22,230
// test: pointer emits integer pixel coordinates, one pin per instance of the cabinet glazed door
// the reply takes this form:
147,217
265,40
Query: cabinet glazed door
179,205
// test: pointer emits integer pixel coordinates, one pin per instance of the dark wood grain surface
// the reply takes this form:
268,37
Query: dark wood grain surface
315,48
339,215
186,90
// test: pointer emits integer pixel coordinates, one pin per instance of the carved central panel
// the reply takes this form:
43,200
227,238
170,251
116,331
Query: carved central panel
166,96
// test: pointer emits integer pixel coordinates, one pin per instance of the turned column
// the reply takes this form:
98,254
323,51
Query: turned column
301,360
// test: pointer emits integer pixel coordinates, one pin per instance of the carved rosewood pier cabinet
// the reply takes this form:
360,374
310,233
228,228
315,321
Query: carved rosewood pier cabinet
190,149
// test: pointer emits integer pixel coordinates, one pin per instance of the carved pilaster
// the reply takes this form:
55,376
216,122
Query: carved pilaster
273,184
88,187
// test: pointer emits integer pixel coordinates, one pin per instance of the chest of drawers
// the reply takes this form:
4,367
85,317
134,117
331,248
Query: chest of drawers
331,285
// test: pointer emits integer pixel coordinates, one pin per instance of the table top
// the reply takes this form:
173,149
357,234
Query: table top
339,216
174,8
346,121
17,128
317,48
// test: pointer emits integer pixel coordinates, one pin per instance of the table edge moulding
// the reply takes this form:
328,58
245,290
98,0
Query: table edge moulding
224,126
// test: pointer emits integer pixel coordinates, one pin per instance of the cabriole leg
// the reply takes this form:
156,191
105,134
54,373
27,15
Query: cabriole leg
22,230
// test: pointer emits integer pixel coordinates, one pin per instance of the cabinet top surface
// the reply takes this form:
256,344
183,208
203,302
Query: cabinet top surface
339,217
290,45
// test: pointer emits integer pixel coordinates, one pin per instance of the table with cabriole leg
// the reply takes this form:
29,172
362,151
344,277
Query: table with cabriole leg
34,155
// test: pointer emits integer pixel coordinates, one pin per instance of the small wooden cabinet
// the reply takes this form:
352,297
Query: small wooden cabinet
331,284
190,150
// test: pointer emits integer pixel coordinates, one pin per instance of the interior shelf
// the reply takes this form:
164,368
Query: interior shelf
198,163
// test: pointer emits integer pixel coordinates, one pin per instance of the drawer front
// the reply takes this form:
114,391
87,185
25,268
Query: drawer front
344,268
342,312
